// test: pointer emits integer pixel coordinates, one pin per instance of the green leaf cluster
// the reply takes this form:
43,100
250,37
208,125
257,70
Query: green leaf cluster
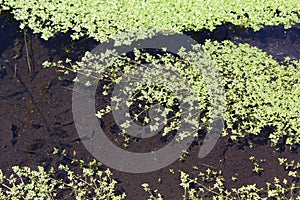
292,167
210,184
260,92
106,19
91,183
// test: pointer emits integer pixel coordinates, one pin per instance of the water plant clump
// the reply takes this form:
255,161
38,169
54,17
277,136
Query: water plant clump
92,182
106,19
259,91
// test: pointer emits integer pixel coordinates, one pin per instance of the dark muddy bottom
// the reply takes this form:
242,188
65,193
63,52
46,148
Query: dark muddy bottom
36,111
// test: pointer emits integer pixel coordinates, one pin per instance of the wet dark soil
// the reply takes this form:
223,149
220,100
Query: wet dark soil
36,111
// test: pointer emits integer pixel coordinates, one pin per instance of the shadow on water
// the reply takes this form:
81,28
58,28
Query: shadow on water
275,40
9,31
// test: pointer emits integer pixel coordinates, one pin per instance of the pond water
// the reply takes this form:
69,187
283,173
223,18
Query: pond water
36,111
